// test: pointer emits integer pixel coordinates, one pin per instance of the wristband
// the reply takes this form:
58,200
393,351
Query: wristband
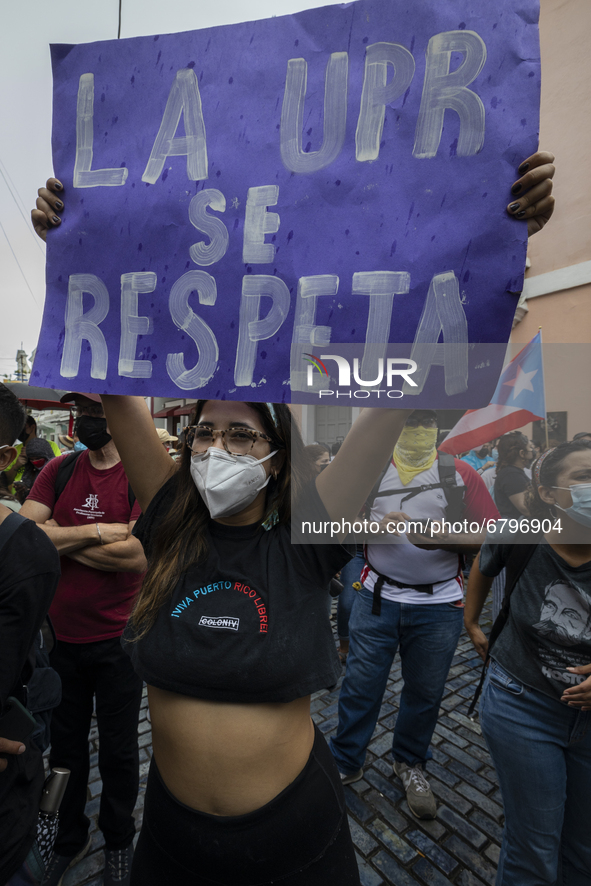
98,529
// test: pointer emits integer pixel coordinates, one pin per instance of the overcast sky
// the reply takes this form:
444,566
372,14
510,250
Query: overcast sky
25,114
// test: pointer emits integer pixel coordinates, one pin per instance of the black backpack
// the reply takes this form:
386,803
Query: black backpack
40,689
65,471
519,557
454,495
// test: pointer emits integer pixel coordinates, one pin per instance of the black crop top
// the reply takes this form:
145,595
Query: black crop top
250,624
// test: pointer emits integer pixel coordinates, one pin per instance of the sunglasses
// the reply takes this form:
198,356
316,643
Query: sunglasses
425,422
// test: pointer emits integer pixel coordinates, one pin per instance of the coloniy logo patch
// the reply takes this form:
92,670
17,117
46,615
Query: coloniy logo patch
228,623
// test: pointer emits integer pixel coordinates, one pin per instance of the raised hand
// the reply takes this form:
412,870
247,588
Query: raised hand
49,204
532,193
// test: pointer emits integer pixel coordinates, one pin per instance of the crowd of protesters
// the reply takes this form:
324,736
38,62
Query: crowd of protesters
405,597
180,570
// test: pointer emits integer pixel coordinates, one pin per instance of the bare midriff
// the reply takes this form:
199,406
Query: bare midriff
228,759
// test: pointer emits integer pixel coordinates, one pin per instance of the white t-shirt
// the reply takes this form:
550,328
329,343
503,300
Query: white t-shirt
405,562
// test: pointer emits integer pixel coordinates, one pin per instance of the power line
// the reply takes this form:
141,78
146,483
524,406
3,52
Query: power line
19,265
18,205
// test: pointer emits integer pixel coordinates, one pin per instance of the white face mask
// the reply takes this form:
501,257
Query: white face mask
228,483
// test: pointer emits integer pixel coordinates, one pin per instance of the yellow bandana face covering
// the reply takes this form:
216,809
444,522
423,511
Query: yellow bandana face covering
415,452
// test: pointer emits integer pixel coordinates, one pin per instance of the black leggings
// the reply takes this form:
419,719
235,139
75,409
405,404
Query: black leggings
300,838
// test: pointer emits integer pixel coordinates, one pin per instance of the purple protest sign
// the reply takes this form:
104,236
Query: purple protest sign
240,194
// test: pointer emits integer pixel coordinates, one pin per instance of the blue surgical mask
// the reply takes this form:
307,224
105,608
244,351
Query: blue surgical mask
580,510
495,453
79,446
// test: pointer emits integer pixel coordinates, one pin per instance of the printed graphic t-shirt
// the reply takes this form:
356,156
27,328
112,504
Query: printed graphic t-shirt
90,604
549,625
403,561
250,623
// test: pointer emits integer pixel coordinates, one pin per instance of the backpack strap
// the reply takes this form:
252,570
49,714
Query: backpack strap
376,606
518,559
446,468
375,492
9,526
411,490
130,497
65,471
454,494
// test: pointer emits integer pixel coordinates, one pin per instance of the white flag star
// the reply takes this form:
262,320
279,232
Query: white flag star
521,382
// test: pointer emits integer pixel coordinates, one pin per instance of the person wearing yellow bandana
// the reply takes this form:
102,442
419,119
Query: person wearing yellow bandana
410,601
415,451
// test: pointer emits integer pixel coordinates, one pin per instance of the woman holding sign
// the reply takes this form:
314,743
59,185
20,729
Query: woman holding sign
230,629
230,634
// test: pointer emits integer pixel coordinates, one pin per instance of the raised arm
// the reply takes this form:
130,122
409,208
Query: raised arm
345,484
147,464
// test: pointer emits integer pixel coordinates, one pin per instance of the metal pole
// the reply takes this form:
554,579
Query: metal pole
545,412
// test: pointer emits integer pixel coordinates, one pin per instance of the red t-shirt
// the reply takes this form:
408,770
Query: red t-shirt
89,604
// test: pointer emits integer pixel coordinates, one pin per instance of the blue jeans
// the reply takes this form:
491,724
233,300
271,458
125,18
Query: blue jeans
541,749
350,573
427,637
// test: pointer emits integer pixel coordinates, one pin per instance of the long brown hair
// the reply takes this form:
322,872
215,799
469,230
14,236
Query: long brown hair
509,446
180,541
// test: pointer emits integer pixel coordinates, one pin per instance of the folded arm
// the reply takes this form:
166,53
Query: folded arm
118,556
65,538
109,547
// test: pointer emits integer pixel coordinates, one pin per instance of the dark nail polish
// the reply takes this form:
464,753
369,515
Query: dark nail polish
514,207
56,220
516,188
520,214
59,205
523,168
58,186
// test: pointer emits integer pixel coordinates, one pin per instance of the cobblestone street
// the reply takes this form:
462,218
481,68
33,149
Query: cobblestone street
461,846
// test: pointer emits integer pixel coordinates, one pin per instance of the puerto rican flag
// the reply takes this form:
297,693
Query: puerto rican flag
517,400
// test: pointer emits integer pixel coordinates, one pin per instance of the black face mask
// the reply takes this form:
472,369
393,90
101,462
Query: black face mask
92,432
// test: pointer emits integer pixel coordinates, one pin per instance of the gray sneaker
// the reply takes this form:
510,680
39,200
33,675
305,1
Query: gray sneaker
419,795
59,864
353,776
